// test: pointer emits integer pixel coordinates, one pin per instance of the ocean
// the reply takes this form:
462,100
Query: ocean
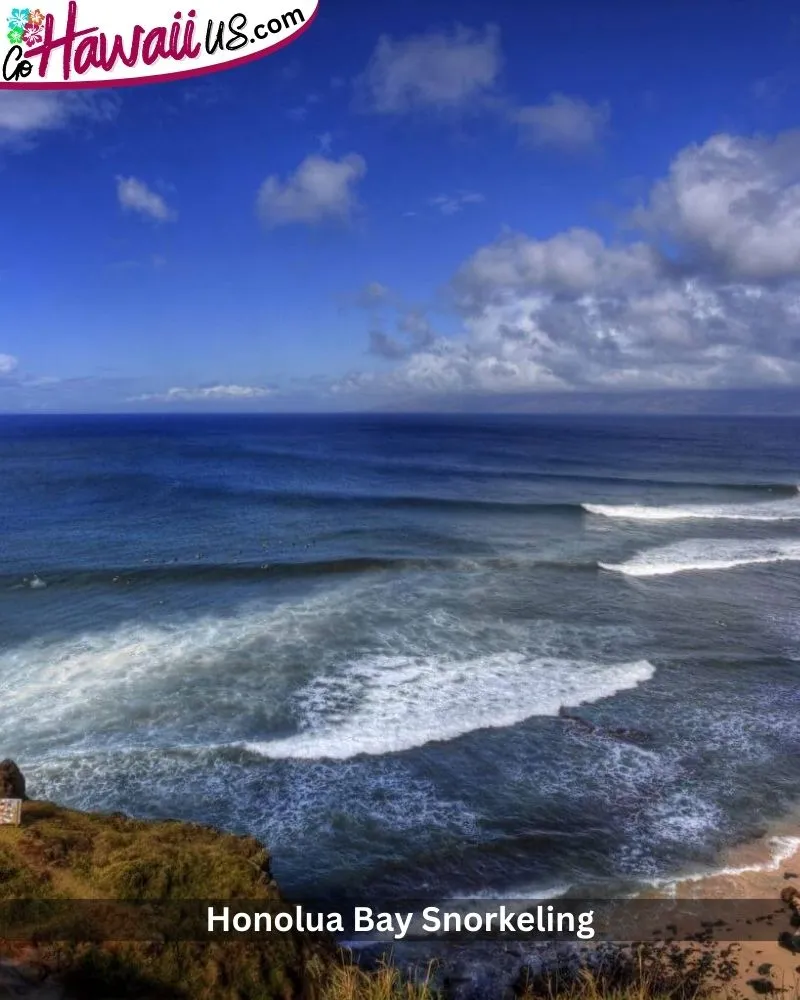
352,636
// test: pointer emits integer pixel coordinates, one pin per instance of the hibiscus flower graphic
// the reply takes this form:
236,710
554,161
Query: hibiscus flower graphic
15,36
36,17
19,18
33,34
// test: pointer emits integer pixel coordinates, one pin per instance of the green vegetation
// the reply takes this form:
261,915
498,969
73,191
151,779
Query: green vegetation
62,854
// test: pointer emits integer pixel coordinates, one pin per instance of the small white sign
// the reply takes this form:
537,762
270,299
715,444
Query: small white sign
10,812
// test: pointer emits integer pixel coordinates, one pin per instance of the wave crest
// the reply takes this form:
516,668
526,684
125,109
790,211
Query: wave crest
387,704
705,554
777,510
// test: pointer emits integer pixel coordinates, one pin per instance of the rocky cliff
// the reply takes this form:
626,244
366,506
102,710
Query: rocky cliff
59,854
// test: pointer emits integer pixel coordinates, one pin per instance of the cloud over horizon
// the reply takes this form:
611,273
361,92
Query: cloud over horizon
208,393
576,312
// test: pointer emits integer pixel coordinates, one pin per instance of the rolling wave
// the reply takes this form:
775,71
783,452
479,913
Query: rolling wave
778,510
706,554
386,704
385,501
196,573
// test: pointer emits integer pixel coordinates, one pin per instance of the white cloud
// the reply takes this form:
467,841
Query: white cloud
438,70
451,204
135,196
734,202
566,123
8,364
576,312
26,113
209,393
319,189
574,262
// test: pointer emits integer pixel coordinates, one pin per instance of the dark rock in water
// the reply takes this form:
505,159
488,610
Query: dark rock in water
12,781
789,894
590,727
631,735
618,733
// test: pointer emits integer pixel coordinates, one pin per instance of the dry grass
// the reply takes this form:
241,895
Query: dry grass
347,982
646,972
643,972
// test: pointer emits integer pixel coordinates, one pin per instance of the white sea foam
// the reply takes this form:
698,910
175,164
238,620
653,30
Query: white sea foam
385,704
529,891
706,554
776,510
46,681
783,848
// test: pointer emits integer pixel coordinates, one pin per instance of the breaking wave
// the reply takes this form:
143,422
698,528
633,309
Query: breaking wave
777,510
386,704
706,554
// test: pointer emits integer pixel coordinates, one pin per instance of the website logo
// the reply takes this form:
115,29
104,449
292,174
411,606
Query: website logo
97,43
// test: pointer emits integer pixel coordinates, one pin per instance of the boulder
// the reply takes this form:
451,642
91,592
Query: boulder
12,781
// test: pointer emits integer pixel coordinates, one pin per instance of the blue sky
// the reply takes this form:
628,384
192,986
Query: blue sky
416,205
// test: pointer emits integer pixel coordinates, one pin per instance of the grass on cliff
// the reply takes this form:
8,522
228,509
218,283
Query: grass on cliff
60,854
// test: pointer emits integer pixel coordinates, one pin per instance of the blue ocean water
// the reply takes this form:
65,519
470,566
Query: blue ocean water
351,636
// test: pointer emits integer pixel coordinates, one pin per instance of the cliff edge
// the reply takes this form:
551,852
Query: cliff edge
60,854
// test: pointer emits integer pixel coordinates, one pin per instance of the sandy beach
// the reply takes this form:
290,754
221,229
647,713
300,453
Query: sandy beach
757,871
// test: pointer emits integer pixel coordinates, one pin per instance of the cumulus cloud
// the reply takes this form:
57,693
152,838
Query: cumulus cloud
135,196
734,203
578,312
8,364
27,113
562,122
440,71
458,71
209,393
320,189
414,332
573,263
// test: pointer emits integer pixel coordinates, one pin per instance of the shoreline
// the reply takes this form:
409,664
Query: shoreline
746,965
757,870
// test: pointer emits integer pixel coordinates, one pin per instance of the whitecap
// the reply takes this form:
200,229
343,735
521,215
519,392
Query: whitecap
706,554
384,704
778,510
